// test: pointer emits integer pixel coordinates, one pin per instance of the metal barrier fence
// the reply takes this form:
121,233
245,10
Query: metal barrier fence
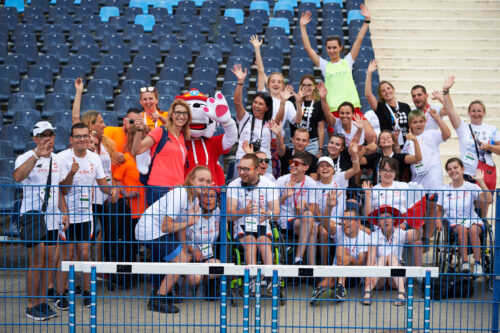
458,300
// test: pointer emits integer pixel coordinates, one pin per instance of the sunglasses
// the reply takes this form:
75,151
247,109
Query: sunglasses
149,89
264,160
339,135
296,163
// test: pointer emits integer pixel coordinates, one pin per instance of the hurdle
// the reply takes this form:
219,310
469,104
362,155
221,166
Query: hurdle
273,271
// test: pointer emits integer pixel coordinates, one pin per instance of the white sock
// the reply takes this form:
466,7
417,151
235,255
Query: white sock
297,259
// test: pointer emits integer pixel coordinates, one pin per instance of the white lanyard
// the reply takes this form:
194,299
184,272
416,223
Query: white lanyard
308,112
180,146
396,120
146,120
194,152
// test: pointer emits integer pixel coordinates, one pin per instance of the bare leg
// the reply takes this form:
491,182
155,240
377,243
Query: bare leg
323,239
397,282
475,241
84,251
34,274
265,250
463,240
98,246
51,263
250,246
60,275
302,228
311,253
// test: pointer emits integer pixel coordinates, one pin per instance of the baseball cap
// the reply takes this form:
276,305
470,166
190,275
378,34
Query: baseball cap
41,127
327,159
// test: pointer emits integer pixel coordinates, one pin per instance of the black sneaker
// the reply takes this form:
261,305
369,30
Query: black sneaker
319,293
159,303
173,297
78,290
340,292
48,310
86,299
51,295
36,313
62,303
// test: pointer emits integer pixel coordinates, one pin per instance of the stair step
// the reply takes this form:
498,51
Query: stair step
445,32
441,72
397,51
444,22
437,42
418,60
437,13
431,5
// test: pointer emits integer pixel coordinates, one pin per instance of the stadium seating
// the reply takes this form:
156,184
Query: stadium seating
16,135
55,102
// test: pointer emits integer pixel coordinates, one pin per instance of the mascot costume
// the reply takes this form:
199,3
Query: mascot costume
204,148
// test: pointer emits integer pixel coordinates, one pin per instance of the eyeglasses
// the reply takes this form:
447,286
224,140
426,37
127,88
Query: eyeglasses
307,85
148,89
264,160
180,113
387,171
79,137
244,170
48,135
295,162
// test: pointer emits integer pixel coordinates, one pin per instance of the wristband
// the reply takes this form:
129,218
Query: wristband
240,84
36,156
446,92
367,21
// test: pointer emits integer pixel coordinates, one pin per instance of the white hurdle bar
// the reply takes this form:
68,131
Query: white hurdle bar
274,271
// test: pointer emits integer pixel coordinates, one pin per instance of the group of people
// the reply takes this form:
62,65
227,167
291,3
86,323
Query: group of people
97,184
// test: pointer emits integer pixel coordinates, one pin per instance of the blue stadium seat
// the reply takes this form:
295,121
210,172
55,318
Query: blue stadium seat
243,50
93,102
239,4
140,40
17,4
272,62
147,21
211,4
65,86
145,61
55,12
53,39
237,60
205,62
4,89
174,74
162,29
81,11
119,21
66,22
62,138
54,102
167,6
209,14
173,61
168,87
204,74
225,42
175,22
332,22
317,3
280,42
190,29
160,14
205,86
94,20
331,31
23,28
284,14
106,12
112,40
261,15
18,60
102,87
124,102
62,119
197,42
68,5
34,86
6,149
212,51
235,13
260,5
60,51
280,22
109,71
6,168
270,51
152,50
92,51
110,118
24,38
27,118
354,14
10,72
166,42
182,50
284,5
17,135
28,50
11,20
40,5
198,3
275,31
229,87
139,3
82,61
72,72
105,29
54,28
354,4
3,51
20,102
139,73
186,15
248,30
131,12
332,10
120,4
187,5
301,62
164,101
79,28
132,87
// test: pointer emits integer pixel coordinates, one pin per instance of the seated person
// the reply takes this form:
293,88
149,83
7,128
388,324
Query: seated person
352,250
458,208
297,204
252,200
387,250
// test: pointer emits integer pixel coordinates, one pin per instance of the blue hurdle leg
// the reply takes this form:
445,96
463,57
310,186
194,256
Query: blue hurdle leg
409,307
275,302
93,289
246,300
257,301
223,304
427,302
72,298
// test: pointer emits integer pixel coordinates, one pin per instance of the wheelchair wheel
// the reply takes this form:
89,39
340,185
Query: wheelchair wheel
488,256
282,295
440,252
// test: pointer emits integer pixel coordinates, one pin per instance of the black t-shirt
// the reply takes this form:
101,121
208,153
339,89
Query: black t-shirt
386,119
285,162
343,163
312,114
373,162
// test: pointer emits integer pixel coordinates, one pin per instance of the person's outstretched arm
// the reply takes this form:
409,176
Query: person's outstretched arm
304,20
238,100
361,34
372,100
261,74
75,112
448,103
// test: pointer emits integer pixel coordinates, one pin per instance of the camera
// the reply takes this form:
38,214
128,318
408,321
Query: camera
256,145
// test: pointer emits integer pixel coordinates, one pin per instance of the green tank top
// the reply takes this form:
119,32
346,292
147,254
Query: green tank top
340,85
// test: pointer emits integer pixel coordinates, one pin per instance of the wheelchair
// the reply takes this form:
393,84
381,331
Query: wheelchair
280,250
446,251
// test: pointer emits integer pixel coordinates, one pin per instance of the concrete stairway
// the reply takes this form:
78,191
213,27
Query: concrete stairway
421,42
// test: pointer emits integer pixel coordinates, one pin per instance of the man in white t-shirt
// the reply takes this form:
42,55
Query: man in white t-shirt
32,171
419,96
81,168
297,206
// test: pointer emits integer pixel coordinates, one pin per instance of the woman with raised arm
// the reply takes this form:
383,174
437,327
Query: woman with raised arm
152,116
392,115
478,141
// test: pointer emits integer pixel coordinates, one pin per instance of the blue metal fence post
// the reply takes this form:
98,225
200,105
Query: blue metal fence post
72,299
246,300
427,302
223,224
93,289
409,309
257,301
274,328
496,268
223,304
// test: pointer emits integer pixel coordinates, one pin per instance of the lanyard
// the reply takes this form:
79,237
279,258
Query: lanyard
251,130
296,195
394,119
146,120
194,152
307,114
378,166
180,146
337,165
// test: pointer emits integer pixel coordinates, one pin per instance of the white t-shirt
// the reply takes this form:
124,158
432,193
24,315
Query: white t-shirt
428,172
174,204
338,182
290,111
100,197
395,196
204,233
484,133
348,136
430,123
373,119
265,193
302,195
33,195
81,194
393,245
244,127
270,177
458,203
355,245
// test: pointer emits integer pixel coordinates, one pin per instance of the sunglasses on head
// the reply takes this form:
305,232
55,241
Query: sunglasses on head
339,135
264,160
149,89
295,162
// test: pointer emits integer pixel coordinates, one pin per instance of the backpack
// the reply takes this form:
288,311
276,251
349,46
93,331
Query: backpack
451,286
144,178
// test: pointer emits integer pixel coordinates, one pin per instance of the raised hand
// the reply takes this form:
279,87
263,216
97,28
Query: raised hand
74,167
239,73
275,127
433,113
254,40
322,89
353,148
193,213
366,186
479,176
305,18
358,121
79,85
286,93
373,66
332,197
448,83
247,148
365,12
411,136
44,148
395,135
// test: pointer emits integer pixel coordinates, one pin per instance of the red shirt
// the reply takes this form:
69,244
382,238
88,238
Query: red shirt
212,151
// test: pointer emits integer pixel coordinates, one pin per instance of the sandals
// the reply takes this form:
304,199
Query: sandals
367,300
400,301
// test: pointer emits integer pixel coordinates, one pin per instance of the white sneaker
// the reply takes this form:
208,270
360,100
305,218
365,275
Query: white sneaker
478,269
465,267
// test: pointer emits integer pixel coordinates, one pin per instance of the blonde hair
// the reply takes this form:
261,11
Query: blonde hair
189,180
380,97
185,129
89,118
131,134
275,73
476,102
415,114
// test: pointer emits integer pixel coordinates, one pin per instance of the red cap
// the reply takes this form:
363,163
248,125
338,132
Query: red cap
192,94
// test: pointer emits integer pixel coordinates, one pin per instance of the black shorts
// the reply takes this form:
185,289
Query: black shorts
79,232
52,237
262,231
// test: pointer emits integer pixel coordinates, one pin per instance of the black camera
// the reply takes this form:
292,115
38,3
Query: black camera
256,145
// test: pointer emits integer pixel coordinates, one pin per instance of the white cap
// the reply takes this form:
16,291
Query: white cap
41,127
327,159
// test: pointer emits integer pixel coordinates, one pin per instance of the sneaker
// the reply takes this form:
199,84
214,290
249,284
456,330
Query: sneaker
87,302
340,292
319,293
36,313
48,310
102,277
51,295
62,303
173,297
465,267
158,303
78,290
478,269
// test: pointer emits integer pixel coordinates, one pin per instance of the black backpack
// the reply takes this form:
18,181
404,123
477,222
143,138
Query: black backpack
450,286
164,138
